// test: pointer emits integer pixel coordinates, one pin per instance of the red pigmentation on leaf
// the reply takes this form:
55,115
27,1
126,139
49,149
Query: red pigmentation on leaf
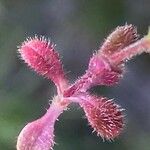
121,37
104,116
41,56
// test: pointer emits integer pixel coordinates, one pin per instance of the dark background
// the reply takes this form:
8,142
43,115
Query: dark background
77,27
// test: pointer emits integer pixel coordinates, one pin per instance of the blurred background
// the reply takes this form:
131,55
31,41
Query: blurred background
77,27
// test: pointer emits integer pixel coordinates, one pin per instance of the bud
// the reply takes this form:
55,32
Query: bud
106,67
121,37
41,56
104,116
101,66
102,73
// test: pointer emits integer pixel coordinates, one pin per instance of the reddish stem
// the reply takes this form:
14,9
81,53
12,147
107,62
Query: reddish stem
134,49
